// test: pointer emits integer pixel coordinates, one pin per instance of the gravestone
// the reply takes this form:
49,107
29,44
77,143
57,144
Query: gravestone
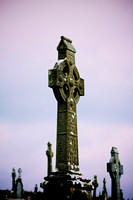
19,185
66,182
13,179
35,189
104,191
115,170
95,184
49,154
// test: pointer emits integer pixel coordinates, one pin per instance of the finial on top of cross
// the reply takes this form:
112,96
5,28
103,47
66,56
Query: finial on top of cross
64,78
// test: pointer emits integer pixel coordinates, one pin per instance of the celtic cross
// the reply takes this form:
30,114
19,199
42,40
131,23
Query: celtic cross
104,192
67,86
115,170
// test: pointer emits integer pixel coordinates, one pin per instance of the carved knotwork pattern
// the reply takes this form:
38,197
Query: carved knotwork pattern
66,82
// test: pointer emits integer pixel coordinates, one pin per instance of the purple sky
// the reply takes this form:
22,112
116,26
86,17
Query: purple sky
102,33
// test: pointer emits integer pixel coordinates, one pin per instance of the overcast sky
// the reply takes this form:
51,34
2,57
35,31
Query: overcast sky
102,33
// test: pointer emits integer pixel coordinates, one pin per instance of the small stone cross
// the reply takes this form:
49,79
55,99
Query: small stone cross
104,192
115,170
49,154
95,184
13,178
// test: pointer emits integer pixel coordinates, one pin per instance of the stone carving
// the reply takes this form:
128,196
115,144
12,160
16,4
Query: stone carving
67,86
95,184
115,170
49,154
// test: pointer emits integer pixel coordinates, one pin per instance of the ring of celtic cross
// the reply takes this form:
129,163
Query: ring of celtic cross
69,85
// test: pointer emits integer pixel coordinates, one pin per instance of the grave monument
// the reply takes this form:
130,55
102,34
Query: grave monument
104,191
66,182
17,185
49,154
13,179
95,185
115,170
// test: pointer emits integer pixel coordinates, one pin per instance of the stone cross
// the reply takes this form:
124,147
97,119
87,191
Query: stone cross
19,172
95,184
104,192
13,178
67,86
115,170
35,189
49,154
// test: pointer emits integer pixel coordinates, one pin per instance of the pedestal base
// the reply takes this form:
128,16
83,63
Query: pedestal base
66,185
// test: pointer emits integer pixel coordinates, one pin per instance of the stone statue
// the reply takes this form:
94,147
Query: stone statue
67,87
49,154
95,184
115,170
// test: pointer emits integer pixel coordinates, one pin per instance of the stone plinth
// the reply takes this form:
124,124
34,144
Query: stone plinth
63,185
68,86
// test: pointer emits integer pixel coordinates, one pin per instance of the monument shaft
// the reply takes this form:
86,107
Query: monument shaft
67,139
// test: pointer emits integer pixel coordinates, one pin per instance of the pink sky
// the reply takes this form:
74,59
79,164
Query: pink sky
102,33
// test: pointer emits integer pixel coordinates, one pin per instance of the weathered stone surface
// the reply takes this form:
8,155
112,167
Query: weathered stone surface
67,87
66,182
115,170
